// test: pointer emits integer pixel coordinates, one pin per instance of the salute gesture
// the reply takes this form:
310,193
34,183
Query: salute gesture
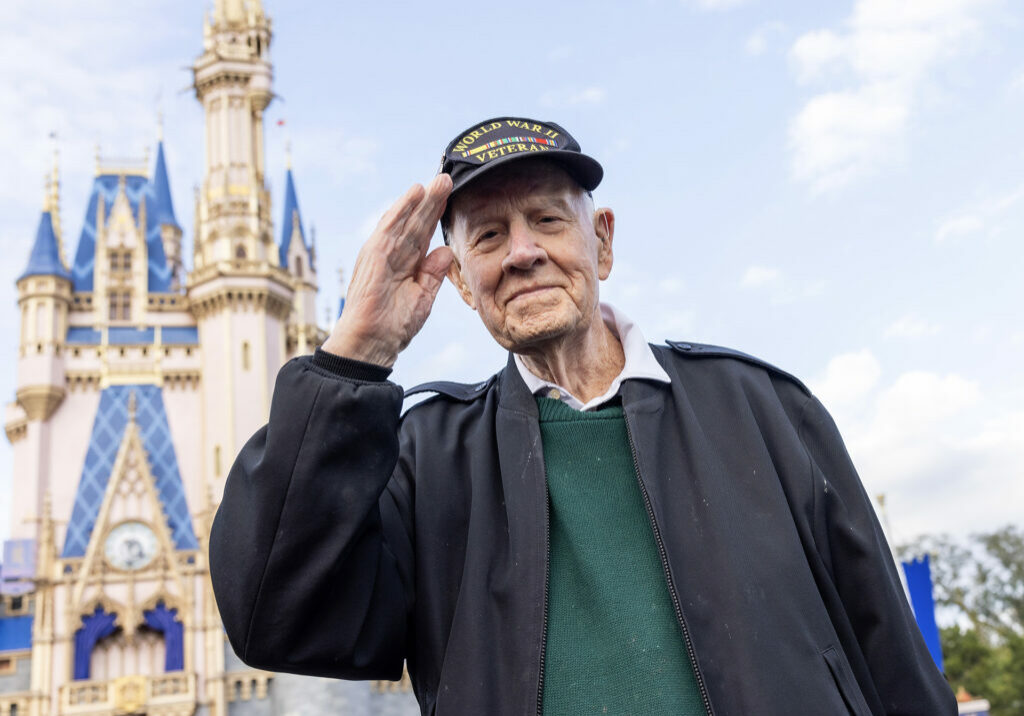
395,280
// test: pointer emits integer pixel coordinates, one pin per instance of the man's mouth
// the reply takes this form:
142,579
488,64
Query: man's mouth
528,291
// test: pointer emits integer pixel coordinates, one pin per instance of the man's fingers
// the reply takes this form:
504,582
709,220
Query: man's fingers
398,214
420,226
434,268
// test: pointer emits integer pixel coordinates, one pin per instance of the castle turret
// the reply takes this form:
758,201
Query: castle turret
238,290
163,206
232,80
298,257
44,298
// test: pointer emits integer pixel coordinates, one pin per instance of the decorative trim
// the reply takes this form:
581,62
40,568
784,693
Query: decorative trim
24,610
15,703
313,334
157,302
16,430
85,380
246,685
182,379
40,401
171,694
44,287
239,298
81,302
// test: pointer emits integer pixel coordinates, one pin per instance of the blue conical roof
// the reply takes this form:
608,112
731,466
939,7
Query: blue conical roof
291,208
139,191
162,190
45,257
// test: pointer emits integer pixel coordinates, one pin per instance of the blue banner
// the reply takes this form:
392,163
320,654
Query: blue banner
919,584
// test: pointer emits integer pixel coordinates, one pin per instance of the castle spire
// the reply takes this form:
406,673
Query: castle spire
45,258
162,186
234,12
233,79
291,222
55,195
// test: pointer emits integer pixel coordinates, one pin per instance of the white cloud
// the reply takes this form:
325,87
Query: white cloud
958,227
758,276
881,59
912,326
847,377
815,53
572,97
920,399
781,290
982,217
762,37
931,442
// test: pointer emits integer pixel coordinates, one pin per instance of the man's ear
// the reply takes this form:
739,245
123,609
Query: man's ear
604,227
455,276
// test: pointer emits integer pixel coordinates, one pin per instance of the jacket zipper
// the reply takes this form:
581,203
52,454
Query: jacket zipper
668,577
547,579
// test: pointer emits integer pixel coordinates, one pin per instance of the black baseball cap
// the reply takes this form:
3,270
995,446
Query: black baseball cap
494,142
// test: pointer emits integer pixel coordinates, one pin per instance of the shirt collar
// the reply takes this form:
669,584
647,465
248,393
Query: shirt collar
640,363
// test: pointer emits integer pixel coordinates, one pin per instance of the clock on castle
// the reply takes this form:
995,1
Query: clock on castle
140,375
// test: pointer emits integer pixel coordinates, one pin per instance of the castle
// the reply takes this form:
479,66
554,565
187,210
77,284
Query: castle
138,381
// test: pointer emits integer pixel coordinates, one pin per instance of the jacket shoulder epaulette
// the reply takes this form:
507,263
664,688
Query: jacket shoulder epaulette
463,392
702,350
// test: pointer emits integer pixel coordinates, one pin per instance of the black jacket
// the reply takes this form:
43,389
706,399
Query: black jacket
351,538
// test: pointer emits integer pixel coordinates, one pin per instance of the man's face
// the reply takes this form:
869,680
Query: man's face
529,253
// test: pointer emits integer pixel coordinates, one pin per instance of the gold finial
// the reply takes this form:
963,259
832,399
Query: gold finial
54,174
46,191
97,158
159,125
288,154
131,406
55,199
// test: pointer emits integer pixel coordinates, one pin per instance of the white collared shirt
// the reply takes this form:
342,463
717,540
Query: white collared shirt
640,363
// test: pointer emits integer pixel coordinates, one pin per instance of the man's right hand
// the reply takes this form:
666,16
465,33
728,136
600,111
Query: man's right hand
394,281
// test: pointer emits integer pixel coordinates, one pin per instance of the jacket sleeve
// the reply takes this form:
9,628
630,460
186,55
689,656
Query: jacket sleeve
880,636
311,551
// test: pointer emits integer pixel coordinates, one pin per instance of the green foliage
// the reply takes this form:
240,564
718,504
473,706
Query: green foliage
979,592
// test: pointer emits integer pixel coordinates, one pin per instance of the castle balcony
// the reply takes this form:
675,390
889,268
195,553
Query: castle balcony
172,694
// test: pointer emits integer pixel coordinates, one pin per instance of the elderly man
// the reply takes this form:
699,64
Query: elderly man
603,527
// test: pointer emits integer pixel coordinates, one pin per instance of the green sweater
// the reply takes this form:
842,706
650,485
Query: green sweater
614,645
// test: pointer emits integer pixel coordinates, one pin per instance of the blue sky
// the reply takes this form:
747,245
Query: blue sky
835,187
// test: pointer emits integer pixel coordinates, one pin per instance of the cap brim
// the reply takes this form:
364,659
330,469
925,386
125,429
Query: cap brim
585,170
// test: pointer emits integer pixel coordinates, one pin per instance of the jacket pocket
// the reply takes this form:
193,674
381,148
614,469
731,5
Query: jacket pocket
845,682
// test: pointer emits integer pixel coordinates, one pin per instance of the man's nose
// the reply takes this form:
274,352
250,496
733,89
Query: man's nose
523,250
